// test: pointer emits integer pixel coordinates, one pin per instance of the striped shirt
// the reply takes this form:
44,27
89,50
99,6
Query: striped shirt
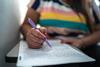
56,13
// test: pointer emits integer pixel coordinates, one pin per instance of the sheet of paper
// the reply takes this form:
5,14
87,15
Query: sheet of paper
58,54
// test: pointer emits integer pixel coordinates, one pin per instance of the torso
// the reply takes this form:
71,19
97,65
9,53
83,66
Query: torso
56,14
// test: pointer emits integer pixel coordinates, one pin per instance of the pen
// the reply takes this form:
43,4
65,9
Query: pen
33,26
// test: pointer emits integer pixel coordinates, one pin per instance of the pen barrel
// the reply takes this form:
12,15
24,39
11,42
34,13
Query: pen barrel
34,27
44,37
41,33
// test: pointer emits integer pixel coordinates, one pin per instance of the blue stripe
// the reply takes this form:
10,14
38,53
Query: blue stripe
65,24
36,4
57,1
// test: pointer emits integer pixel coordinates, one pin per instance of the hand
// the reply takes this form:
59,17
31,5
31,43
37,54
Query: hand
74,42
34,38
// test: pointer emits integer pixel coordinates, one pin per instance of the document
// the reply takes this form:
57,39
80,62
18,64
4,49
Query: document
55,55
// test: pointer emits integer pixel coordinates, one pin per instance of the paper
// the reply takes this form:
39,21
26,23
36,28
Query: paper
58,54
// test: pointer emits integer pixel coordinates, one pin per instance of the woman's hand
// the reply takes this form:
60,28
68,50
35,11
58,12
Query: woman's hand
34,38
74,42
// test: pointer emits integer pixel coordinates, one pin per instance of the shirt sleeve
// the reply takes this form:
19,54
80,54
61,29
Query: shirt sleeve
36,4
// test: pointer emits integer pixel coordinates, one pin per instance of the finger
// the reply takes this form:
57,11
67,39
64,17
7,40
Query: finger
76,45
43,30
35,39
37,34
34,33
33,45
65,40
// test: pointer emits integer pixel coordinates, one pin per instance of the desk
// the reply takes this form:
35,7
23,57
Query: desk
12,55
93,51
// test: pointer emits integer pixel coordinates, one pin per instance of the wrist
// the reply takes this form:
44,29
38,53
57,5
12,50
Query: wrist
81,43
84,43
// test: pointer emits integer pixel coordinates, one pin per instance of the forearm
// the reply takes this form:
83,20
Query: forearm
25,26
91,39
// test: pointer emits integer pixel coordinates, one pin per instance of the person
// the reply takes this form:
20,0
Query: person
61,17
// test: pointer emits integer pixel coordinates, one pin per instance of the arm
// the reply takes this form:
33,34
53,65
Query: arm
91,39
33,38
95,37
34,16
86,41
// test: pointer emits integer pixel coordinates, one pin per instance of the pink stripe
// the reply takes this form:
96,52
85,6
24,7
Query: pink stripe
58,11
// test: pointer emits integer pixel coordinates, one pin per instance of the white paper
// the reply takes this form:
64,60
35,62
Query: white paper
57,54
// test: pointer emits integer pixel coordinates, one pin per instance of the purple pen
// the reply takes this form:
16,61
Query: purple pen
33,26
